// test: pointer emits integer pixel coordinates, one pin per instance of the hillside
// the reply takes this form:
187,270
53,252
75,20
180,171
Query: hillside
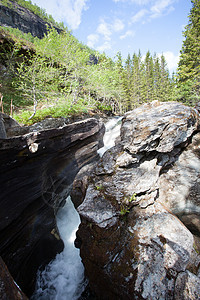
26,17
57,75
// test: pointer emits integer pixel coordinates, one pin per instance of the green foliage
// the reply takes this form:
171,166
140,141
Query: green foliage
124,210
103,107
188,77
57,69
62,109
144,80
132,198
196,248
18,35
99,187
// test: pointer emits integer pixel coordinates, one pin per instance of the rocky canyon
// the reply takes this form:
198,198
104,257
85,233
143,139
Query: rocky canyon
38,166
140,226
139,204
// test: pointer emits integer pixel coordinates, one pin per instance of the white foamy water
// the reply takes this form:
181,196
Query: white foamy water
112,132
63,278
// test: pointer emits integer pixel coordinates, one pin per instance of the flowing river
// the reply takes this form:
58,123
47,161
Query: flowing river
63,278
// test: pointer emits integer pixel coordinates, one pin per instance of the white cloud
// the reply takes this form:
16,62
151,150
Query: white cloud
152,8
139,15
171,59
104,29
128,33
107,29
92,39
161,7
158,8
104,32
67,11
105,46
139,2
118,25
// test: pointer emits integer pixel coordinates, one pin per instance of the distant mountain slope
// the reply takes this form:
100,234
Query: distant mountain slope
16,16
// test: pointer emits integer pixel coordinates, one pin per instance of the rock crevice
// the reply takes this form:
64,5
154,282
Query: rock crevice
133,245
36,176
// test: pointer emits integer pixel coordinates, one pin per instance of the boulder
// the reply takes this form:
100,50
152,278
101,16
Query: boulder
37,172
132,244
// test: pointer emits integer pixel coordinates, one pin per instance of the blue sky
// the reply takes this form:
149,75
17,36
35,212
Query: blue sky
125,25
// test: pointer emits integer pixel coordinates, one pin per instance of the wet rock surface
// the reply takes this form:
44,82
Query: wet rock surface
8,288
36,175
132,243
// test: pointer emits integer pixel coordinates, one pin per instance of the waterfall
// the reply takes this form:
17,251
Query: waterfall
112,132
63,278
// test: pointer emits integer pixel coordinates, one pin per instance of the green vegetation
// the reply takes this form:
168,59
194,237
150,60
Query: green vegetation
58,76
125,207
132,198
188,79
99,187
124,210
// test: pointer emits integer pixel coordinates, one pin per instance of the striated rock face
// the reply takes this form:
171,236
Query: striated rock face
2,128
17,16
132,244
8,288
36,175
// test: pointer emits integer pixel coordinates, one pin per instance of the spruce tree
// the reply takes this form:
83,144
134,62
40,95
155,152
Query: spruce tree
136,79
127,81
189,64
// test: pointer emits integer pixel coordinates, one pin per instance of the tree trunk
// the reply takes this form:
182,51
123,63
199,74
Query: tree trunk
35,104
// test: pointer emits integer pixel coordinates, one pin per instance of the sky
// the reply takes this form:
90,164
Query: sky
125,26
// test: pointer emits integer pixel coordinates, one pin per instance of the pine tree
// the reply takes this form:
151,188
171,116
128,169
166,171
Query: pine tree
157,78
165,84
120,92
147,79
189,64
136,79
127,80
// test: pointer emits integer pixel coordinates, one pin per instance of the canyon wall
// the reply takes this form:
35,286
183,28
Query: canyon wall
17,16
36,175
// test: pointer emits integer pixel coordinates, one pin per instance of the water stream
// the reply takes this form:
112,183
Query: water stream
112,132
63,278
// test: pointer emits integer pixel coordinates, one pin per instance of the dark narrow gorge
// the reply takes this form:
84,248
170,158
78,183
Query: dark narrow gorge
139,230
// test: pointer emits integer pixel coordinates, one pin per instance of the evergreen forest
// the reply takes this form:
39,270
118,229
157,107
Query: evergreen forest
59,76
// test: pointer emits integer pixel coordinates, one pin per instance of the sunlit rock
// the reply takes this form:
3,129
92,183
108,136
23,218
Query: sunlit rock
132,244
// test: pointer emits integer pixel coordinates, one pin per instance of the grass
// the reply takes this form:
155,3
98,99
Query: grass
54,109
